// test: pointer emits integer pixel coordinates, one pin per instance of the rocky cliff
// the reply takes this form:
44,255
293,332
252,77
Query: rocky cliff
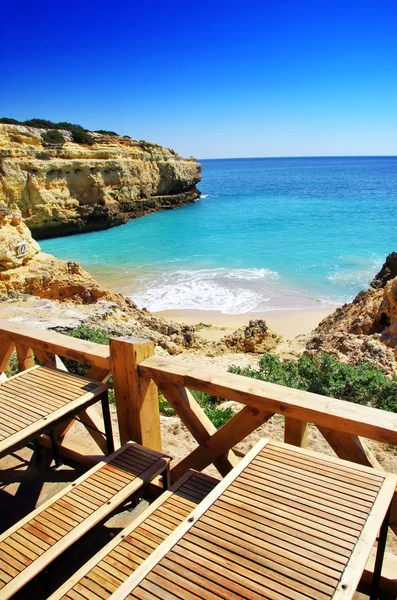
73,188
364,330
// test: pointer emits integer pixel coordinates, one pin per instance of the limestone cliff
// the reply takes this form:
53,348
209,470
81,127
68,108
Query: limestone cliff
74,188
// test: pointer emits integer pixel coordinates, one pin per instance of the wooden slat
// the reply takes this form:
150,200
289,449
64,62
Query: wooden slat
131,546
37,406
324,411
77,513
294,520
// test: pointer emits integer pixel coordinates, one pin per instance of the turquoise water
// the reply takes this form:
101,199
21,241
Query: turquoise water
267,234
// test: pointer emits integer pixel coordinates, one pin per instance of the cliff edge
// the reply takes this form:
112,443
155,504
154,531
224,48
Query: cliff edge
71,188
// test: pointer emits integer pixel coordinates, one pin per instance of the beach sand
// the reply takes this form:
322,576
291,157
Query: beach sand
288,323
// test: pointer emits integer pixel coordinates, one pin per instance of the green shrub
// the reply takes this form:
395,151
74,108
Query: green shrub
90,334
8,121
105,132
361,384
52,136
218,416
82,137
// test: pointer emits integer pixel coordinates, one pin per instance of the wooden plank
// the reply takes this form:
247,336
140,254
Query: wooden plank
65,498
241,425
305,406
199,425
134,580
52,342
136,397
295,432
45,421
355,567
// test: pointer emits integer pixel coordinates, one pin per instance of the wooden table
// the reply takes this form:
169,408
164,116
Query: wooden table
37,400
285,523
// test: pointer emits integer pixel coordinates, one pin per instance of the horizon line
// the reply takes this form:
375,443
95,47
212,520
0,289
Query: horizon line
302,156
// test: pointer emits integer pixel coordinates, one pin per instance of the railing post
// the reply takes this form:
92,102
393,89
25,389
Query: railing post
136,396
295,432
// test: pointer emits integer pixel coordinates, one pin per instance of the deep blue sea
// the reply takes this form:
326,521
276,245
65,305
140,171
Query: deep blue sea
268,233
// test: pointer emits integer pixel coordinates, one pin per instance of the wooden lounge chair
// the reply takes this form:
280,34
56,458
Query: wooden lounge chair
112,565
32,543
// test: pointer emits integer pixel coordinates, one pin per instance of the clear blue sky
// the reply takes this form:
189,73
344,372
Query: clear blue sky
210,78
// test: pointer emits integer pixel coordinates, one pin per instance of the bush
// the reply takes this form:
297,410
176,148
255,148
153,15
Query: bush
8,121
361,384
52,136
218,416
82,137
105,132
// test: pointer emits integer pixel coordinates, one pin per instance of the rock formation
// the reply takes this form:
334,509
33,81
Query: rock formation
73,188
256,337
364,330
17,246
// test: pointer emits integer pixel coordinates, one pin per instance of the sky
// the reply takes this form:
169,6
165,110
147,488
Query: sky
210,79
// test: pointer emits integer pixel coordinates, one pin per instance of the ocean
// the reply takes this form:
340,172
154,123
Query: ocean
267,234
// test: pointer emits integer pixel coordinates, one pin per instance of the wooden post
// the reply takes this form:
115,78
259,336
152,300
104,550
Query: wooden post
136,396
295,432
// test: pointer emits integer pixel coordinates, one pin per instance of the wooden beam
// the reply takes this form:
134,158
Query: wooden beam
349,447
50,341
49,359
6,350
94,425
295,432
98,374
25,357
199,425
241,425
136,396
321,410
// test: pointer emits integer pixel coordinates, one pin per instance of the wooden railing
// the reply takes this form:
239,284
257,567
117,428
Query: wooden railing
138,374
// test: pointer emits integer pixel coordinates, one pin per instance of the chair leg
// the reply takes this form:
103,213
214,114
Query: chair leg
55,449
379,557
108,423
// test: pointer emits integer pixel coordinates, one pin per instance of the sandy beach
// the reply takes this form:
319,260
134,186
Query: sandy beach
213,325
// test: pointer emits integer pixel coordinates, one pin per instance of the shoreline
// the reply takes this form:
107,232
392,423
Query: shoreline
288,323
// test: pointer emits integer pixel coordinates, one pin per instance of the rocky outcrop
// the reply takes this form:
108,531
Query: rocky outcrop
74,188
387,272
364,330
256,337
17,246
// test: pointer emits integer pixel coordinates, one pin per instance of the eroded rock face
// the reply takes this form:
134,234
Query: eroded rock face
17,246
256,338
84,188
364,330
387,272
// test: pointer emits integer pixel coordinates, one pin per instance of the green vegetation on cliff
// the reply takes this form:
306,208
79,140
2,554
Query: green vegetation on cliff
80,135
